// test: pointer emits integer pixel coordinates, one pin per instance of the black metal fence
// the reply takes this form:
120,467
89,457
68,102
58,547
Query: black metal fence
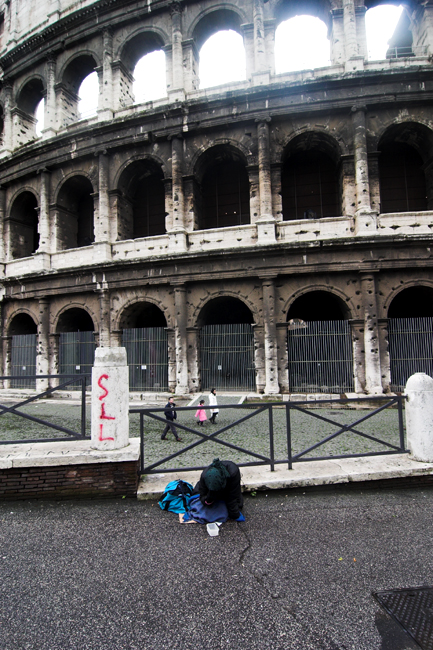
65,381
285,453
410,349
227,357
23,360
147,353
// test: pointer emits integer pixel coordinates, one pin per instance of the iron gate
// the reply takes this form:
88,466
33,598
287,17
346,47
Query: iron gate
76,353
410,349
23,360
227,357
147,354
320,356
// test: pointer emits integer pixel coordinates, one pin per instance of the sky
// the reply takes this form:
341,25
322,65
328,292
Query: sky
222,57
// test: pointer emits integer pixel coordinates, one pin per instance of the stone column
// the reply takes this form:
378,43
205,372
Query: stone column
385,364
271,360
181,339
53,356
104,318
365,222
260,74
7,118
44,212
358,352
266,222
105,101
283,371
171,343
353,60
101,247
178,240
259,358
193,346
373,378
43,344
419,416
110,399
50,121
7,356
177,90
2,226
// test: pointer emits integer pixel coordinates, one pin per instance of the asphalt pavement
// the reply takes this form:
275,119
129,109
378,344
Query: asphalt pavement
297,575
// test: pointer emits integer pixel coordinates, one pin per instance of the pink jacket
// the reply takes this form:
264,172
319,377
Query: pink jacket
201,414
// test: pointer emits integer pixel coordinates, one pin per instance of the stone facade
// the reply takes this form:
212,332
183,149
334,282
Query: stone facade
79,246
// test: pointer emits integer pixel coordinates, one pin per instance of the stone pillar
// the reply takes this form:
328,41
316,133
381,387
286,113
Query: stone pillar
193,346
181,339
358,352
2,226
271,360
105,101
7,359
177,89
353,60
259,359
178,240
50,121
385,363
44,212
43,345
266,222
110,399
419,416
260,74
104,318
171,344
373,379
101,247
283,374
365,222
7,118
53,356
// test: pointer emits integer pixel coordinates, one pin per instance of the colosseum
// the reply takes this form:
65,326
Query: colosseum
270,235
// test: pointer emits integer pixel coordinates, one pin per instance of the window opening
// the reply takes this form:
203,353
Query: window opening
88,93
380,25
402,180
222,59
150,77
301,43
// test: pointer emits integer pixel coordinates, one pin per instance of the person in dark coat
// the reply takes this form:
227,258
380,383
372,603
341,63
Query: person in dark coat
221,481
170,416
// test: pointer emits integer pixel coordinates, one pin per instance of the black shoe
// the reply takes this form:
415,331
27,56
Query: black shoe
163,438
178,439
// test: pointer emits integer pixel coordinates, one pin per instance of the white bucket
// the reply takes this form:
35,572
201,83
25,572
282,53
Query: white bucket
212,529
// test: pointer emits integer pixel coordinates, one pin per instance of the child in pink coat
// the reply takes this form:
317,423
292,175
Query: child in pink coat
201,413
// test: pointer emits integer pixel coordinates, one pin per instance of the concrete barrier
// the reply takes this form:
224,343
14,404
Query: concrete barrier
110,399
419,416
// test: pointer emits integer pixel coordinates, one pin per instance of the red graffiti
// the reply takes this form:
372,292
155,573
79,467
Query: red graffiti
103,416
103,387
101,437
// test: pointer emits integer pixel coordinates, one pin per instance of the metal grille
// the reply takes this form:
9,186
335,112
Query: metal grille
23,360
320,357
410,349
147,354
413,609
227,357
76,353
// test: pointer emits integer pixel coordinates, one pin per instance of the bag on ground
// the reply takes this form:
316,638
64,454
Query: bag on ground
176,496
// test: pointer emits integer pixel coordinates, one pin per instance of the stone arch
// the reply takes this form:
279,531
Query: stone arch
75,212
141,312
411,300
22,348
140,42
204,304
21,321
75,326
310,177
30,93
22,224
141,203
71,76
285,9
63,322
320,294
405,175
214,19
222,196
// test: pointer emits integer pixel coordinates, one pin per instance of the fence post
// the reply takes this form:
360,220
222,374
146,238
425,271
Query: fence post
110,399
419,416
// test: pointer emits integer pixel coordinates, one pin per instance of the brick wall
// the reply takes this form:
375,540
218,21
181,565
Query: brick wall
91,480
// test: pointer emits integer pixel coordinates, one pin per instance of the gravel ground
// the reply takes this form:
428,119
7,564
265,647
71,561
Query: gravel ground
253,434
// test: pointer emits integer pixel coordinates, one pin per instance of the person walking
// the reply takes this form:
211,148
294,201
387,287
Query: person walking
201,413
213,402
170,416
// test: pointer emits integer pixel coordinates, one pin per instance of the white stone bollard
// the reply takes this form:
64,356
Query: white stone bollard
110,399
419,416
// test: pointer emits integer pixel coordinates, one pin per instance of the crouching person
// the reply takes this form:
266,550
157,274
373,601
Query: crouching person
221,481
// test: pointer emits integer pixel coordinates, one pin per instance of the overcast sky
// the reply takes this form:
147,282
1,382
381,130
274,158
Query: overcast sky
222,57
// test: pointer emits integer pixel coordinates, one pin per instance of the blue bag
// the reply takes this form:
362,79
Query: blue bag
203,514
176,496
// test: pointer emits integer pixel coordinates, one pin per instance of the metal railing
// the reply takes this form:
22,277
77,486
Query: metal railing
66,380
270,457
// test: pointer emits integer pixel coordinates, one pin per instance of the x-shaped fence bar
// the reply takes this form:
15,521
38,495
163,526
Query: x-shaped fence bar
71,379
270,460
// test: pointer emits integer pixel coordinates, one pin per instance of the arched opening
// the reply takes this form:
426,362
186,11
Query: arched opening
141,201
23,226
226,345
381,23
75,214
319,344
301,43
410,335
76,343
310,179
144,335
222,59
88,95
401,178
27,121
143,77
23,333
224,196
79,71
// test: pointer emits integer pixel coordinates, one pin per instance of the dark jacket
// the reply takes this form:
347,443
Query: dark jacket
170,411
231,494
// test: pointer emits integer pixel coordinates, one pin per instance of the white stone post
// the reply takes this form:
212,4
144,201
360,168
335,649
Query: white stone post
110,399
419,416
